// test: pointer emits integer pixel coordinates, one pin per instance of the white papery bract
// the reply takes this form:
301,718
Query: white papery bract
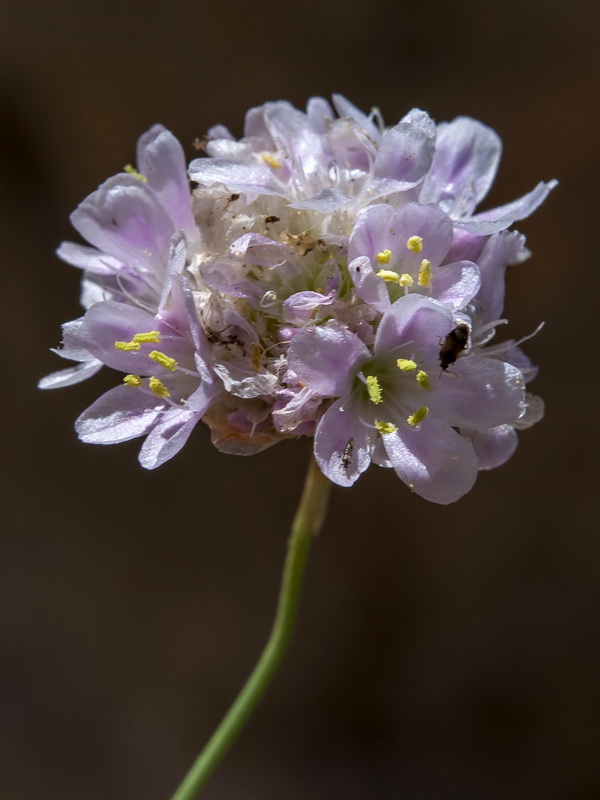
323,276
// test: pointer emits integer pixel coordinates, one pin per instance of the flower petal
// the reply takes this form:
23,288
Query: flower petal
500,218
414,319
71,375
167,438
493,447
121,414
325,358
161,161
343,445
433,460
253,179
124,219
482,393
464,165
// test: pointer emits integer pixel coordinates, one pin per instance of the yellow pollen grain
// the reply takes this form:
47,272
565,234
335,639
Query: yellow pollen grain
406,364
150,336
388,275
158,388
385,427
384,257
415,244
164,360
127,346
271,161
132,380
133,171
406,280
423,379
418,416
374,389
425,273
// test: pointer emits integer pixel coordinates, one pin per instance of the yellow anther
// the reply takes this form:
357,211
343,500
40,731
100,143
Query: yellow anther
271,161
158,387
415,244
389,275
423,379
256,354
374,389
132,380
406,280
133,171
127,345
385,427
150,336
425,273
384,257
406,364
418,416
165,361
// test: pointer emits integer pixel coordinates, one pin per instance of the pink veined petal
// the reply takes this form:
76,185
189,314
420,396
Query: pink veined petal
253,179
455,284
414,319
347,109
500,218
121,414
405,154
124,219
320,114
464,165
88,258
71,375
369,287
493,447
161,161
482,393
433,460
325,202
371,233
325,358
167,438
343,445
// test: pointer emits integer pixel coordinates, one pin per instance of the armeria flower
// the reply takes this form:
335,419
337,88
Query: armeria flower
396,406
328,276
167,385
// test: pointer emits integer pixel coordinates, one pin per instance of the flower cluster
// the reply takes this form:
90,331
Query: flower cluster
326,276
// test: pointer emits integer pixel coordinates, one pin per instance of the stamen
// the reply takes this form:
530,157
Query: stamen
418,416
406,280
384,257
385,427
133,171
423,379
158,388
132,380
388,275
150,336
127,346
406,364
164,360
425,273
415,244
271,161
374,389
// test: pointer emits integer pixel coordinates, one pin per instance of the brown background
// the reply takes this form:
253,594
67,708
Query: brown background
441,652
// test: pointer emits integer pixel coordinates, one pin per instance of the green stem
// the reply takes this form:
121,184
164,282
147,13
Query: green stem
307,523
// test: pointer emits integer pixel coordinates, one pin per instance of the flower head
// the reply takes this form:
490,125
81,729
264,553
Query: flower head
327,276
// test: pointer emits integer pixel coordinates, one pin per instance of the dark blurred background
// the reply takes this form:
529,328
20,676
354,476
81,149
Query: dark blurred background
441,652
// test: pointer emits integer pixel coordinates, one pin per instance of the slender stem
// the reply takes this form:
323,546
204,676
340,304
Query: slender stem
307,523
